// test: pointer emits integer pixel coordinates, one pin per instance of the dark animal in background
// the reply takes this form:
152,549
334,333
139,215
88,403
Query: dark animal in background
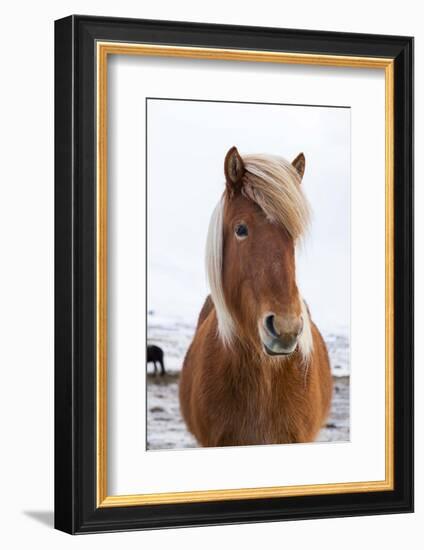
155,355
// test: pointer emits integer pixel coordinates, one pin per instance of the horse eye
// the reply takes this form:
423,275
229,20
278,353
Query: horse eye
241,230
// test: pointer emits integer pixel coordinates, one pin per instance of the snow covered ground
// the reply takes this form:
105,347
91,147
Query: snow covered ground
165,426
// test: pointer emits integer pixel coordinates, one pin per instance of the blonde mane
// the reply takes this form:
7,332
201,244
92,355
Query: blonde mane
274,185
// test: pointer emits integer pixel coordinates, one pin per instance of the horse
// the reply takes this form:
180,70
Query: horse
257,370
155,355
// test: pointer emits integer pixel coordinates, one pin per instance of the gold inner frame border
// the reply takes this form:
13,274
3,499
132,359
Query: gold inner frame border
103,50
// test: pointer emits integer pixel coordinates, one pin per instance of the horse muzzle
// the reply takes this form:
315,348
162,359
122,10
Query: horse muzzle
279,335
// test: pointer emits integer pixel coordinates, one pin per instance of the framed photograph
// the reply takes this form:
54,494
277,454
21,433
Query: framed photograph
234,274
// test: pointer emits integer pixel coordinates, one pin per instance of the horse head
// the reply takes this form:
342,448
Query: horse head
251,254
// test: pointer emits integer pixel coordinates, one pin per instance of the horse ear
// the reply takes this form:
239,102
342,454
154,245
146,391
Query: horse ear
233,167
299,164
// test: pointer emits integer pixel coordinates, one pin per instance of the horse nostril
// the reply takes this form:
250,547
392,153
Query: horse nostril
270,325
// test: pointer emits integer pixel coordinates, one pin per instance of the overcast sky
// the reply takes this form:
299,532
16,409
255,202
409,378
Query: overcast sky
187,142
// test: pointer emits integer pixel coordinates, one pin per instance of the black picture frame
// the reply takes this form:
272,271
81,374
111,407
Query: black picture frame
76,510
